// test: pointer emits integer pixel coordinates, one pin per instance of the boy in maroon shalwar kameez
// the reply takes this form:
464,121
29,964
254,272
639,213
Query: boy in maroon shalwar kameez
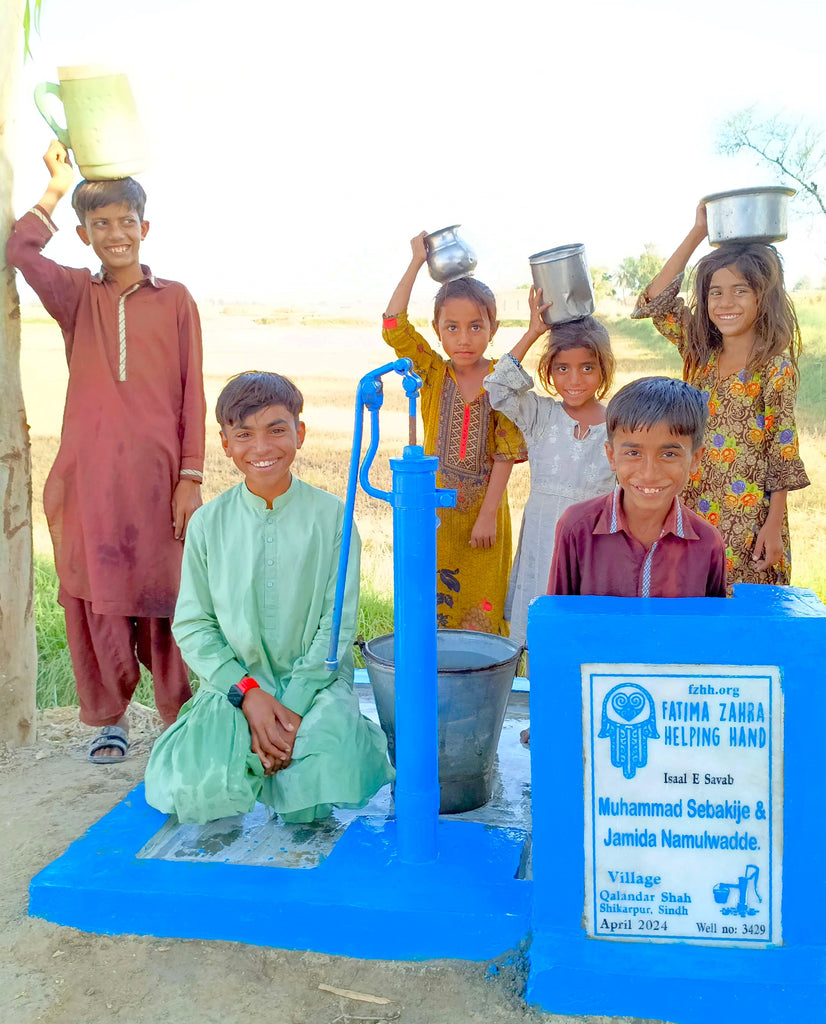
127,475
641,541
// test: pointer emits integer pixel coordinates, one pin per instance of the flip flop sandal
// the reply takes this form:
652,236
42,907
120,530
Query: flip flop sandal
109,736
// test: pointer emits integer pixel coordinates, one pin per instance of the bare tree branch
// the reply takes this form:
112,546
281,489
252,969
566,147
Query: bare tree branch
795,148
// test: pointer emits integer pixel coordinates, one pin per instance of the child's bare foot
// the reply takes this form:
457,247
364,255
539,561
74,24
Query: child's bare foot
525,737
102,752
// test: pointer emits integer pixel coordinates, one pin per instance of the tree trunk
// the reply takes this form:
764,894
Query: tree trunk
18,652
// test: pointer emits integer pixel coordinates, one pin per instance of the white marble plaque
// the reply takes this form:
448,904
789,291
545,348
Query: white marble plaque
683,803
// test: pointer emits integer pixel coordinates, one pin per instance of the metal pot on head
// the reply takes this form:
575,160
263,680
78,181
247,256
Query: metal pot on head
448,257
748,214
563,275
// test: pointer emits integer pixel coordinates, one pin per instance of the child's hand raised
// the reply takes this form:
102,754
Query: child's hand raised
273,729
419,248
401,296
701,220
678,260
537,326
56,158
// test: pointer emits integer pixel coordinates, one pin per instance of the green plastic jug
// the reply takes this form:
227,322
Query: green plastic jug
102,127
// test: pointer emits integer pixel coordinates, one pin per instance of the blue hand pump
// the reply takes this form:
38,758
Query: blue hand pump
414,499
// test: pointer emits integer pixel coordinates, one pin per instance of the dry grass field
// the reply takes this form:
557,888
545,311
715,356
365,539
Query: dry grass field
326,359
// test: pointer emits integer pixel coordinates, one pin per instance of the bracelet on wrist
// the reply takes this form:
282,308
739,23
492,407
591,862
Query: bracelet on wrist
236,693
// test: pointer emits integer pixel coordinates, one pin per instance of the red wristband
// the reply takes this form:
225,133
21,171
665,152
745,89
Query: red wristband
247,683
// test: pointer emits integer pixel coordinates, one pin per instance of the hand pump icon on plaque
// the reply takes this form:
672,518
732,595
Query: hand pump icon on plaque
724,890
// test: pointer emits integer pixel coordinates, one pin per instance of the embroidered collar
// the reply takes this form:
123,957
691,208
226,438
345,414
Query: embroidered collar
451,373
104,277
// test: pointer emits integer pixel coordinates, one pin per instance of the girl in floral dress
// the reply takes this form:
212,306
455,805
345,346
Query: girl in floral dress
476,446
740,343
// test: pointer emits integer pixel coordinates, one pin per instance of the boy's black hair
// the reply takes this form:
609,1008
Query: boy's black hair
246,393
643,403
91,195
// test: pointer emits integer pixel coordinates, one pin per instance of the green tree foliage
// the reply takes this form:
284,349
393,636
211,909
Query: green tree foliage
31,20
602,282
635,272
796,148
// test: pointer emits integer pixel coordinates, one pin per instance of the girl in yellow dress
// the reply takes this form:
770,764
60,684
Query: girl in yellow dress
476,446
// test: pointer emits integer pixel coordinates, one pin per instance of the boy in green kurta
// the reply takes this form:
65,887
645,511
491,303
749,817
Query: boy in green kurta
253,619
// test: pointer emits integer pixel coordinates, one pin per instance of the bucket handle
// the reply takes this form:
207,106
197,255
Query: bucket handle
41,91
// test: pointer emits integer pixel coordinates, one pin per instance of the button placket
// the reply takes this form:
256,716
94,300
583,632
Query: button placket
270,598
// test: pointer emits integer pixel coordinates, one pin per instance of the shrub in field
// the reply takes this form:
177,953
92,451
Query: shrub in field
55,678
55,681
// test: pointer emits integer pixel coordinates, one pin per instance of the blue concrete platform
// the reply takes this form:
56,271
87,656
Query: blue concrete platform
360,901
335,887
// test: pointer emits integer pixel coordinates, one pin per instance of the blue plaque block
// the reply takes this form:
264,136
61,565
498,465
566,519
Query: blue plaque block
678,814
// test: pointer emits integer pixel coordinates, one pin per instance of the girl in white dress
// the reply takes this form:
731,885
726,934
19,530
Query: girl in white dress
565,437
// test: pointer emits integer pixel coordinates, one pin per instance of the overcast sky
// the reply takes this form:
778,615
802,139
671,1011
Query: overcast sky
295,148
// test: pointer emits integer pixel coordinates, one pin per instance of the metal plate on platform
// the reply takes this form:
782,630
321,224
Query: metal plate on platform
261,838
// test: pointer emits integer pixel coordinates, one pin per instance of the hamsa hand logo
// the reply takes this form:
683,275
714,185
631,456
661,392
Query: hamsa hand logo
629,720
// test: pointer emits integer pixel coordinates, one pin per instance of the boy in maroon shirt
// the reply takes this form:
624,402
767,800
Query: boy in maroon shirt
127,475
641,541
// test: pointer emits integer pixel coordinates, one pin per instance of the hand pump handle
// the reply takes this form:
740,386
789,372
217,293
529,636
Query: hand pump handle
370,394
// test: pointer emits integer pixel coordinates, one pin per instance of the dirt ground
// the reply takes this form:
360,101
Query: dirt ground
49,795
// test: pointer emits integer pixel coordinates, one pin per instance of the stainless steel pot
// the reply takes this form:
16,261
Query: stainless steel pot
563,275
748,214
448,257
